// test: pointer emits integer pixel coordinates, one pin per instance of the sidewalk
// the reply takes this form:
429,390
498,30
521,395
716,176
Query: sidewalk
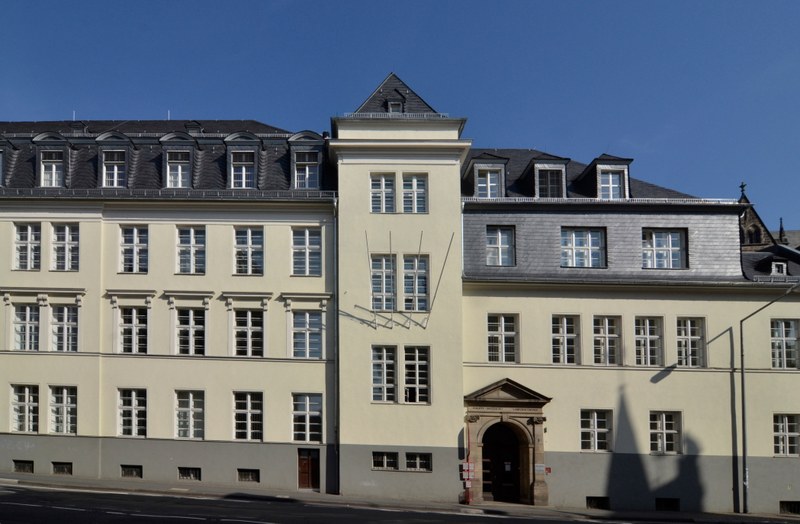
315,498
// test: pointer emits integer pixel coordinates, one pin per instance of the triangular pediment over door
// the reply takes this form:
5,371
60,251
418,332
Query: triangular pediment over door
506,392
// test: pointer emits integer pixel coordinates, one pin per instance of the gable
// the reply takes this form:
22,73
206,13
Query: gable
505,391
391,89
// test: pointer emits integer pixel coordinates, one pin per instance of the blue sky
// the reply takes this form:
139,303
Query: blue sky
703,95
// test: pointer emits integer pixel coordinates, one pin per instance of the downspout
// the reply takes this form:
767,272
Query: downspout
745,472
336,371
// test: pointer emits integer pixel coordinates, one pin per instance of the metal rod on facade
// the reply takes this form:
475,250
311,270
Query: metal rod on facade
745,472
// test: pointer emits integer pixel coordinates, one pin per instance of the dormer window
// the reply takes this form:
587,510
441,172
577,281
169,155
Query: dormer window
51,169
114,169
488,183
395,106
306,170
243,170
612,182
549,181
610,185
779,269
179,169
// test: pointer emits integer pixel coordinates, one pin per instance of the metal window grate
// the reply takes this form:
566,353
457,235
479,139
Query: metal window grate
130,471
23,466
62,468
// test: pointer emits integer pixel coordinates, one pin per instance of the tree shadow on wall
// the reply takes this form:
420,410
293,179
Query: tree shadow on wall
638,480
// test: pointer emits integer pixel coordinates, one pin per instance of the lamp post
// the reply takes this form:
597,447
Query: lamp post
745,472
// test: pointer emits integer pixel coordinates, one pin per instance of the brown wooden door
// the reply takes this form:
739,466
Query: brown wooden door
308,469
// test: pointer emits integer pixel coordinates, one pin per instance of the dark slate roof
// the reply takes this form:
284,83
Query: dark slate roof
757,265
792,236
145,143
391,89
519,174
137,127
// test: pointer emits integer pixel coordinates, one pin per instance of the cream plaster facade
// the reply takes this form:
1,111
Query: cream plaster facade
412,402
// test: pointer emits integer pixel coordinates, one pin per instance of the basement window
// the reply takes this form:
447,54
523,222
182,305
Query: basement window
62,468
189,473
129,471
248,475
23,466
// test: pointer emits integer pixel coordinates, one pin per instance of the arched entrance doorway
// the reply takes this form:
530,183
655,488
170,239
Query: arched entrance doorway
501,464
505,444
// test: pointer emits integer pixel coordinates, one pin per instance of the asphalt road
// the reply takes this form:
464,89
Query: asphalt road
20,505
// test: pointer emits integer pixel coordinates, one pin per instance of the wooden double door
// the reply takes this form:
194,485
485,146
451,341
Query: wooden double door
308,469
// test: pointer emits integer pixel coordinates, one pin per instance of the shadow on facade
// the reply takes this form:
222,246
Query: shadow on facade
638,480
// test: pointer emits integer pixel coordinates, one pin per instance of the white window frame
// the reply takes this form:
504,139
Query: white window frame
308,334
132,412
779,269
607,189
51,169
691,339
385,460
136,329
243,169
190,331
384,374
27,246
664,249
416,374
306,170
179,169
381,190
114,170
500,246
649,340
502,337
539,170
27,327
596,430
488,182
416,282
248,256
566,339
24,408
64,410
384,279
64,328
191,250
189,414
134,251
416,461
66,247
583,247
307,419
248,411
415,193
786,434
784,343
307,251
607,340
248,327
666,433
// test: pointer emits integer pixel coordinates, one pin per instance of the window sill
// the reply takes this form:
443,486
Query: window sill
195,274
583,267
305,276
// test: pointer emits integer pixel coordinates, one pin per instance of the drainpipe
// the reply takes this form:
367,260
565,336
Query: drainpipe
337,367
745,472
